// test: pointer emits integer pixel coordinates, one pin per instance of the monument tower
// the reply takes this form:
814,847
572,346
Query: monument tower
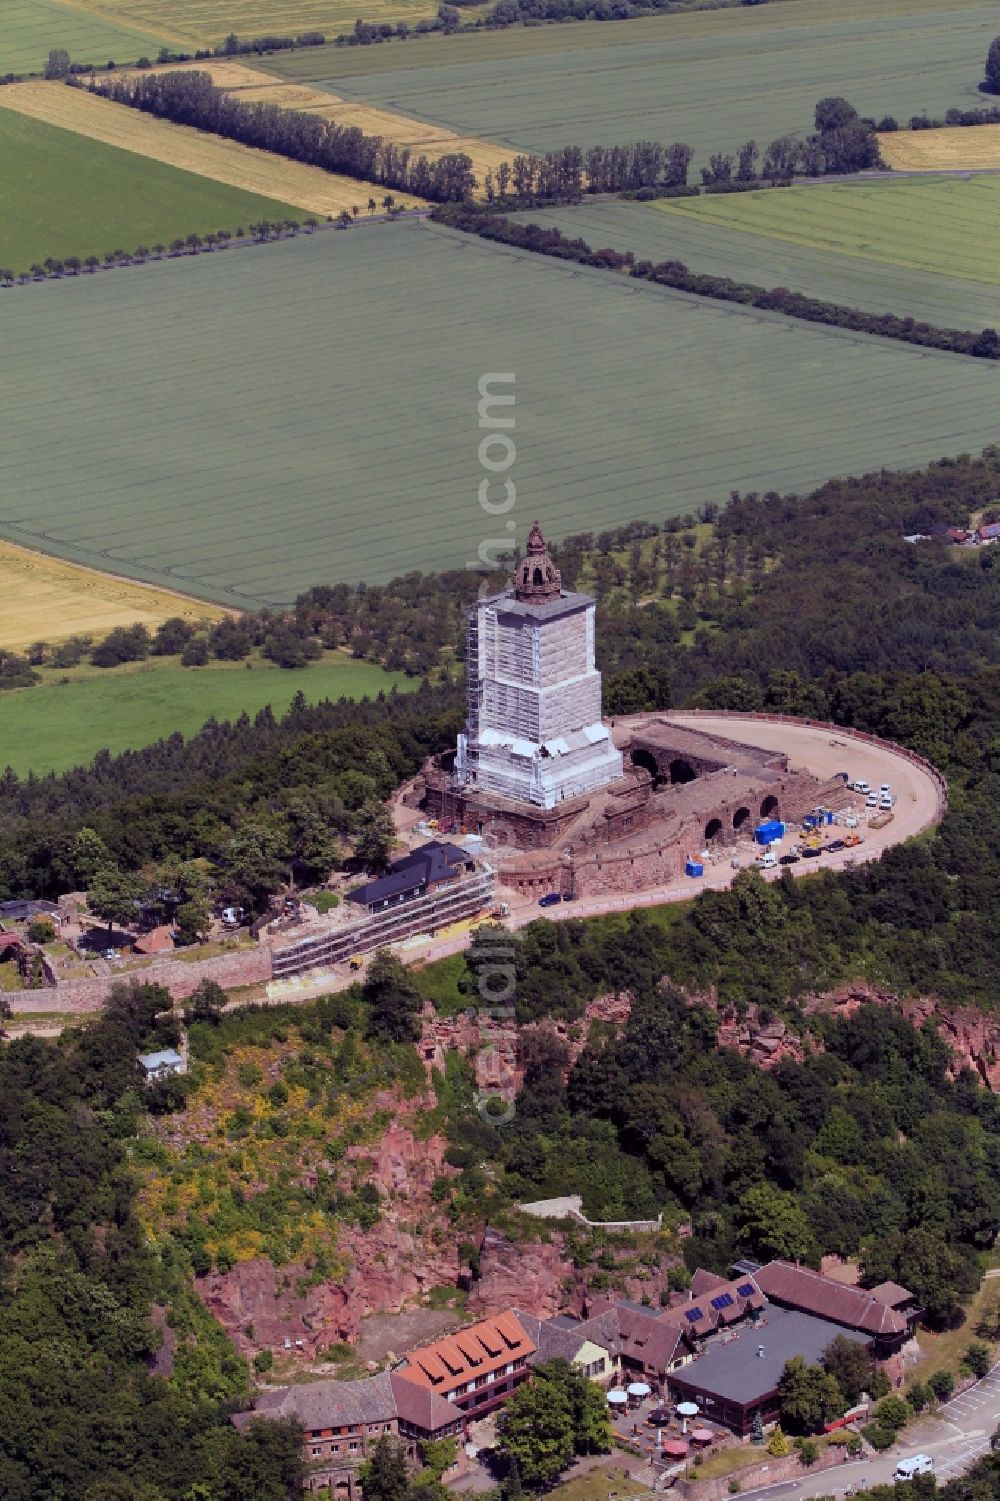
533,728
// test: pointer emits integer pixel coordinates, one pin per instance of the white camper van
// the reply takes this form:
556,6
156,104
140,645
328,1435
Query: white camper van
919,1464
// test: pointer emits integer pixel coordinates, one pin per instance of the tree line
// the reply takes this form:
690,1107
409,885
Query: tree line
190,97
546,240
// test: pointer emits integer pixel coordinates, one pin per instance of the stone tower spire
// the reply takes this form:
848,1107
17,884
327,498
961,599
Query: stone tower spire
536,579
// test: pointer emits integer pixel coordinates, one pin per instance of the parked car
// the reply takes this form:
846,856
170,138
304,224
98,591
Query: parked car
872,801
811,854
861,787
789,860
884,790
550,900
887,800
836,844
920,1464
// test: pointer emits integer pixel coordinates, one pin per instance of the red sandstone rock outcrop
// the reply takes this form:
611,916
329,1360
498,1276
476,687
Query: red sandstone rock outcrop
537,1278
972,1039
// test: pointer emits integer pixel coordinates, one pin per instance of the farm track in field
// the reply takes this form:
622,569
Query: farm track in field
258,172
653,231
330,429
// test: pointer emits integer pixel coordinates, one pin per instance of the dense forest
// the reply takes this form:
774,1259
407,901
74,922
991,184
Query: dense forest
83,1303
864,1147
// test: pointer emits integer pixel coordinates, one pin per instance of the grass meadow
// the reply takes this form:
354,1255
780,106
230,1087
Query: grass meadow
328,429
712,79
61,195
66,719
45,599
276,179
654,231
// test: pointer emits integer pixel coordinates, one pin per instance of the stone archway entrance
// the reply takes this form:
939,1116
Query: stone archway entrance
769,807
713,830
644,760
741,817
680,772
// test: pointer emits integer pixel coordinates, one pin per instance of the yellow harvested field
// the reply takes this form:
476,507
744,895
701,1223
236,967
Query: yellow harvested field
36,590
952,148
262,172
422,138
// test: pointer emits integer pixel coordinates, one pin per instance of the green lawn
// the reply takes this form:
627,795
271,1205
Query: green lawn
62,194
65,720
326,428
712,79
598,1484
947,225
30,28
848,237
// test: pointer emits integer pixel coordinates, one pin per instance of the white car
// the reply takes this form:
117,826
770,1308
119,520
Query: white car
872,800
884,790
861,787
886,801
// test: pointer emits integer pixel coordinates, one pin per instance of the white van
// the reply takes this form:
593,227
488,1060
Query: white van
872,800
861,787
886,801
920,1464
767,861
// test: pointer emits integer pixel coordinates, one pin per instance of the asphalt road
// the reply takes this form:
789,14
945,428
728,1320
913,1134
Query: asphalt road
955,1437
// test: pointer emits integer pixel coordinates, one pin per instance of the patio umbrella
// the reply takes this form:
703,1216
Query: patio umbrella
686,1410
618,1398
674,1448
702,1435
638,1389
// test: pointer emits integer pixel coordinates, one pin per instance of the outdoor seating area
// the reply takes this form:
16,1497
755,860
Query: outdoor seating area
661,1432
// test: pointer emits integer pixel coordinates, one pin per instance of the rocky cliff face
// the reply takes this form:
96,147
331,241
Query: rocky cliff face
537,1277
973,1039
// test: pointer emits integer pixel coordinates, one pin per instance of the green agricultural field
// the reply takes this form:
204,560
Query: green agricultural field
945,224
66,719
712,79
845,226
328,428
62,194
30,28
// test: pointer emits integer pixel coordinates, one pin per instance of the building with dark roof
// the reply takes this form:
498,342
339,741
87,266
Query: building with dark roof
342,1420
714,1304
566,1339
851,1307
414,875
738,1376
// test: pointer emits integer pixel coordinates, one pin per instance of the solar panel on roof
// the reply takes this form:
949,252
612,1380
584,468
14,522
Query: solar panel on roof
693,1315
745,1289
724,1300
